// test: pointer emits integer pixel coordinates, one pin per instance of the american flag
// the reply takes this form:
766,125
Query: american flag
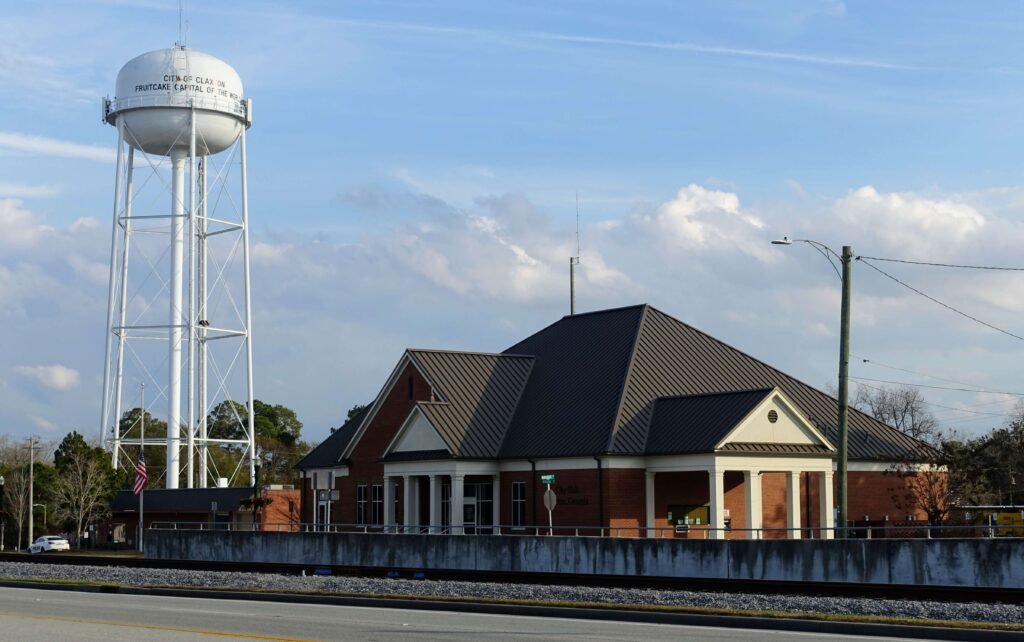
140,473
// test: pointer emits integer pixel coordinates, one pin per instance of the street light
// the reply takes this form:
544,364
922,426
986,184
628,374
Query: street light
844,361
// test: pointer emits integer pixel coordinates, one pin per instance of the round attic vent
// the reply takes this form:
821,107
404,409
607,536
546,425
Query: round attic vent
772,416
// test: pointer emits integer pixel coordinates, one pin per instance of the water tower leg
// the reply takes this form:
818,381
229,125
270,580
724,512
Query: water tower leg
123,303
203,410
175,318
190,415
105,415
248,313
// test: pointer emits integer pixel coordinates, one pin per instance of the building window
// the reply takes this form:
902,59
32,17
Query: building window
361,504
519,503
378,504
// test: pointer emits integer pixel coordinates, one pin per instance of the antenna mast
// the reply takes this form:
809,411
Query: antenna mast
574,261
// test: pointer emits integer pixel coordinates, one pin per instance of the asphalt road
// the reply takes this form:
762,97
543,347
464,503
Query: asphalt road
27,614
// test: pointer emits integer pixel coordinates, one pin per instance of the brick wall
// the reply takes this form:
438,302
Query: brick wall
283,511
877,494
365,466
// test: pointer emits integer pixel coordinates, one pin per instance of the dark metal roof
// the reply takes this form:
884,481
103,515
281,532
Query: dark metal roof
181,500
696,423
596,378
479,393
758,448
673,358
570,402
330,450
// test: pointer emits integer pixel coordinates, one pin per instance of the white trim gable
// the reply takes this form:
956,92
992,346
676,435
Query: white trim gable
790,427
382,395
416,434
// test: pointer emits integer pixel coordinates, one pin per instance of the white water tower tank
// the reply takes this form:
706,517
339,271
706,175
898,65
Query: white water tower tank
157,90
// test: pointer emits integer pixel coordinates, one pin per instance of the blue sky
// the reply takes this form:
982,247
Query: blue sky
414,169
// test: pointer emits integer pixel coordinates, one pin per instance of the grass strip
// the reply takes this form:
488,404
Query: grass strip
656,608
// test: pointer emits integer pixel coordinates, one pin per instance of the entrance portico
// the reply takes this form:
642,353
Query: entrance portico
446,496
744,439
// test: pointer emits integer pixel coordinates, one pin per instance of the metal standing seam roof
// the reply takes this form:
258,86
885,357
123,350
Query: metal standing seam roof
674,358
697,423
330,450
479,394
570,402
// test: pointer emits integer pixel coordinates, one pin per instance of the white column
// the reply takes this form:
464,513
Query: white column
435,503
793,504
175,319
752,484
826,506
496,502
408,501
456,504
716,501
649,504
389,502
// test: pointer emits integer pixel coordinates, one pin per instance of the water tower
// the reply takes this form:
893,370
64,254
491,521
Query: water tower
179,262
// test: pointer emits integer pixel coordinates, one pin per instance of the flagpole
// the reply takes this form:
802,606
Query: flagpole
142,446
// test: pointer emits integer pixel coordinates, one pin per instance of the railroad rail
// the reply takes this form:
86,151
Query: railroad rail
771,587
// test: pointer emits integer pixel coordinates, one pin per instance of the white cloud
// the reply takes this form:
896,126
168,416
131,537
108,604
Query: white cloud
19,225
914,225
43,146
94,271
57,377
20,190
42,423
699,218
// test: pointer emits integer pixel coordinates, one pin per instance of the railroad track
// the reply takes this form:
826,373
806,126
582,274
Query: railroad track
829,589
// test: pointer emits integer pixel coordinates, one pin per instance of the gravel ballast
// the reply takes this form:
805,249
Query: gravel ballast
370,586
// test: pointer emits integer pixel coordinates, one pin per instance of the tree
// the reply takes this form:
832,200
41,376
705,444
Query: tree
84,484
356,409
278,438
902,407
156,463
16,500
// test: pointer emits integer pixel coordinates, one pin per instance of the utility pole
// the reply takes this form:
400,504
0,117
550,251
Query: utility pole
31,487
844,397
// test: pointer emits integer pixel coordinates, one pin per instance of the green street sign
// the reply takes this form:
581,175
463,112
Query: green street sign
547,479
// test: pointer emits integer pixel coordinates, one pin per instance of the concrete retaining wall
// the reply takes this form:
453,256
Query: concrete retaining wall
994,563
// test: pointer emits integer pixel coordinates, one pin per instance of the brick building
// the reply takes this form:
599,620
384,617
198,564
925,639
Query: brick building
649,426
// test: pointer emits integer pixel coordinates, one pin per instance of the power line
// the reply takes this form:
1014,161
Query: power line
939,405
934,300
946,265
924,374
921,385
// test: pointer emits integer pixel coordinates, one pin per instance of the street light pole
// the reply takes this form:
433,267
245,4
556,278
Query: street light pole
844,393
31,486
844,363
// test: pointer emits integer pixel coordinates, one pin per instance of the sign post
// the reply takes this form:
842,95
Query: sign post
550,500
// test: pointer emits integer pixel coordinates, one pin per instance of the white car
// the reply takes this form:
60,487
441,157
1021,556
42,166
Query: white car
49,543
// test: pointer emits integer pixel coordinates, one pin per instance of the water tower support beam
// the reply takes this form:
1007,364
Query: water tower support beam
248,312
190,403
175,319
105,415
123,302
201,259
